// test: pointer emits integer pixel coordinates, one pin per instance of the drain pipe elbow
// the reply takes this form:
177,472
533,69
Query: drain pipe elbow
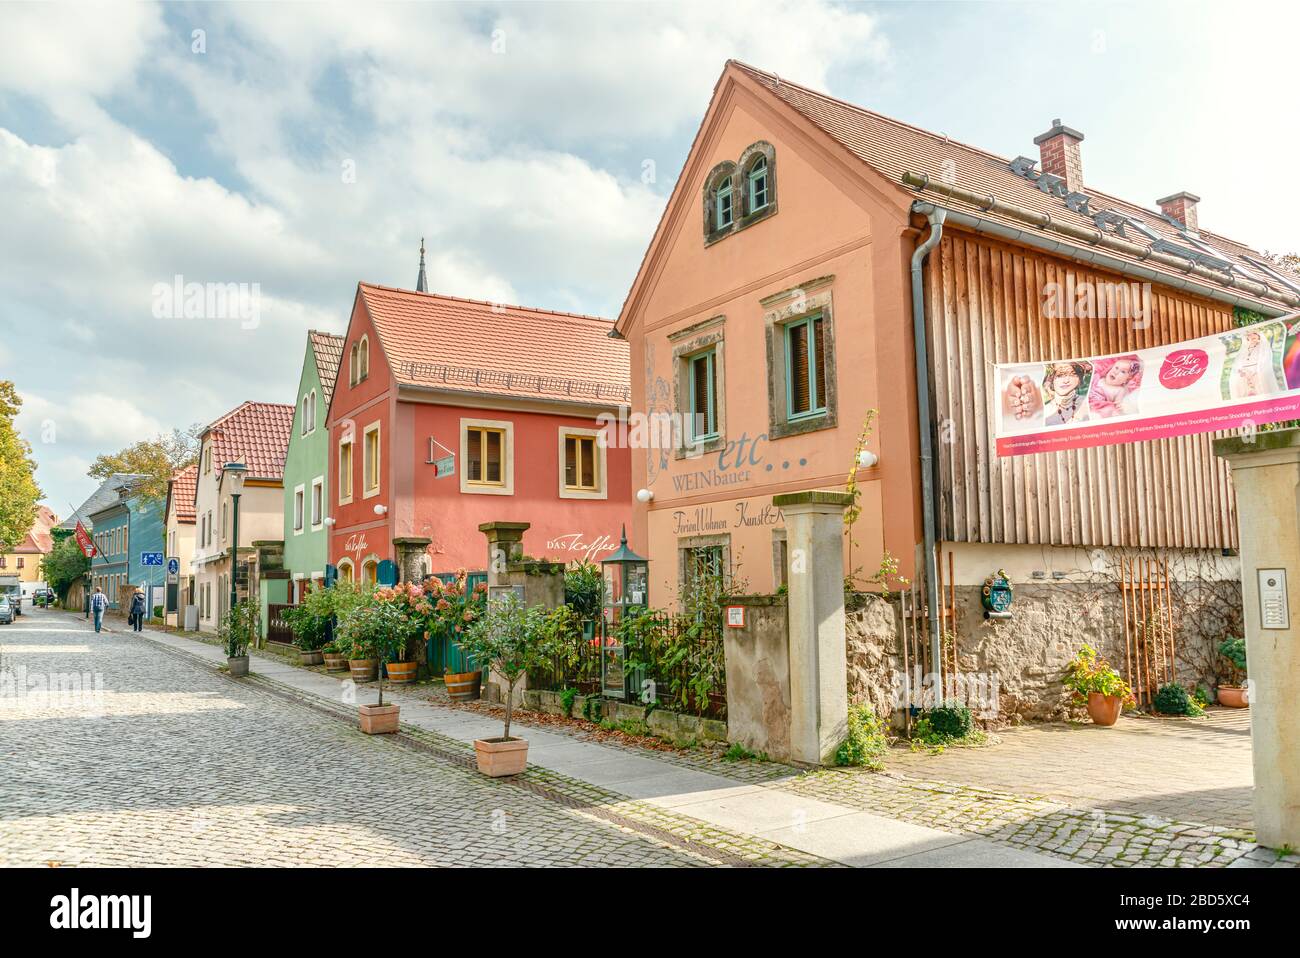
936,217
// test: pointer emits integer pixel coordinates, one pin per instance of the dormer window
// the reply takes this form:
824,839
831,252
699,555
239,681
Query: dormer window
758,185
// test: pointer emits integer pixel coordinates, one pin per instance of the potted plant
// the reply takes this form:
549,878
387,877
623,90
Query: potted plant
1097,685
1235,694
237,628
409,599
508,639
335,657
380,630
455,608
309,622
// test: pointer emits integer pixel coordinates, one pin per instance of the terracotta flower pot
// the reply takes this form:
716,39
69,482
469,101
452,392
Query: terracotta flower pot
1104,709
334,662
498,757
238,666
378,719
1234,696
311,658
463,686
401,673
363,670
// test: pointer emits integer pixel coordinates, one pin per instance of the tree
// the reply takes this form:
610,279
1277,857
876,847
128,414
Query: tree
155,459
19,493
63,566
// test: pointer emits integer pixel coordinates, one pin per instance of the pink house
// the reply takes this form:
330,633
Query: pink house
448,413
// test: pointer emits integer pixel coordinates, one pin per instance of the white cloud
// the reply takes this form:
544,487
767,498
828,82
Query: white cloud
520,167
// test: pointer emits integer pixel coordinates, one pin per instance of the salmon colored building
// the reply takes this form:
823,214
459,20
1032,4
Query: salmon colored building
817,260
448,413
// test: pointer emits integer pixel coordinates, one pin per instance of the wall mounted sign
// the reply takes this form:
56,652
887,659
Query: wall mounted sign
444,465
1274,612
1244,378
735,616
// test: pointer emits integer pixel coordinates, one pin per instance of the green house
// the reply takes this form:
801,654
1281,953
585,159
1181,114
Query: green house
306,466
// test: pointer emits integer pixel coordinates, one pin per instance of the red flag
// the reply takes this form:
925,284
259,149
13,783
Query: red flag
84,541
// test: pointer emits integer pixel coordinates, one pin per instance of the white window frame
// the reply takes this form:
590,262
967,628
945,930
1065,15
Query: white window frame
317,503
507,487
602,485
351,470
368,491
299,508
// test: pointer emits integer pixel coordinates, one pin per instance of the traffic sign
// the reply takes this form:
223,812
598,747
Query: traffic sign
173,566
151,558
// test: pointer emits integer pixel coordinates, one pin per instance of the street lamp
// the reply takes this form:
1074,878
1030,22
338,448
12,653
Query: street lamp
236,471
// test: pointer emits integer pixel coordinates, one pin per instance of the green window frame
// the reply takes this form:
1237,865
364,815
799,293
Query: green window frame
805,368
723,206
758,185
703,375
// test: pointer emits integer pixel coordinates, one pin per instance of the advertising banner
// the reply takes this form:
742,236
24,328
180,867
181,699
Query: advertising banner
1247,377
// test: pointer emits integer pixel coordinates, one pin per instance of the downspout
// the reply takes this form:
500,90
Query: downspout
936,217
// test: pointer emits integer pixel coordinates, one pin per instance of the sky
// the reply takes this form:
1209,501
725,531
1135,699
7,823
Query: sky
300,148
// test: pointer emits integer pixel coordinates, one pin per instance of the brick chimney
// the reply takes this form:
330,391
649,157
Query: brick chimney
1058,150
1181,207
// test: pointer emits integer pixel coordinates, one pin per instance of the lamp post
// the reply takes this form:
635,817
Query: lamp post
626,587
236,472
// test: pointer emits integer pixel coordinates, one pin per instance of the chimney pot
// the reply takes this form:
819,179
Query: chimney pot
1058,151
1181,206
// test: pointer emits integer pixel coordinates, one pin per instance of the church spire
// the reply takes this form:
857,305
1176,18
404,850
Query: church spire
420,283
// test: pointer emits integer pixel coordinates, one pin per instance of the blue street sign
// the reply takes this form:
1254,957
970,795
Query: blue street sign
151,558
173,566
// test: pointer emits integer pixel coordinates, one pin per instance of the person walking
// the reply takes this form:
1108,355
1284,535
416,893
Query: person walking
137,611
98,603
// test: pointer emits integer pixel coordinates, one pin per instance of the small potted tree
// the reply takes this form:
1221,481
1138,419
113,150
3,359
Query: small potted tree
378,630
1235,694
1097,685
505,639
236,632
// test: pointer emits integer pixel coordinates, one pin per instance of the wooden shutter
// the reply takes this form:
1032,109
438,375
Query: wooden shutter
797,344
819,352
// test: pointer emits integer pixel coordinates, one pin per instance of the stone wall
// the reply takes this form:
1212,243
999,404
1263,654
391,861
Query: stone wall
1028,653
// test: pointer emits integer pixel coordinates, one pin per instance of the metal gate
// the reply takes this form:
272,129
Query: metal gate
442,653
1149,648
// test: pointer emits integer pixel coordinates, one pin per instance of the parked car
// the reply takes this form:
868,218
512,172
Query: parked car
6,611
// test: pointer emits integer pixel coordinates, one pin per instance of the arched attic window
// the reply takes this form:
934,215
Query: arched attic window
363,359
758,166
720,201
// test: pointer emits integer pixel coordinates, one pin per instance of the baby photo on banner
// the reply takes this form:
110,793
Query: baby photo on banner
1226,381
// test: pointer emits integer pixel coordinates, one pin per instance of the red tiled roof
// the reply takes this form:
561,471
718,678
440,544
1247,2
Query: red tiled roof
894,148
39,540
181,490
328,350
466,345
254,433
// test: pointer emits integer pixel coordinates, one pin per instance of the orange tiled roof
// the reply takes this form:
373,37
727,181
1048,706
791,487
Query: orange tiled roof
894,148
328,350
182,490
254,433
465,345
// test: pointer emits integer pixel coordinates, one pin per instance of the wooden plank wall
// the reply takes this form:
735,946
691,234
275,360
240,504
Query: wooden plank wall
985,303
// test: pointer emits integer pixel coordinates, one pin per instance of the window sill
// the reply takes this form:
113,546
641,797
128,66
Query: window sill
804,424
567,493
700,448
482,489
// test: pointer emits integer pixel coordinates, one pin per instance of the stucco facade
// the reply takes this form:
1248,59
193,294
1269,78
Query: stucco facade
306,479
413,428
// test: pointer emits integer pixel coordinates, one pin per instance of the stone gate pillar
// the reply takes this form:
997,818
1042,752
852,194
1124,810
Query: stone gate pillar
407,553
505,541
1266,476
819,695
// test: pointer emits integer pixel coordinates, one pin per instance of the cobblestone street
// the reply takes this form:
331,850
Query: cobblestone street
175,764
149,755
